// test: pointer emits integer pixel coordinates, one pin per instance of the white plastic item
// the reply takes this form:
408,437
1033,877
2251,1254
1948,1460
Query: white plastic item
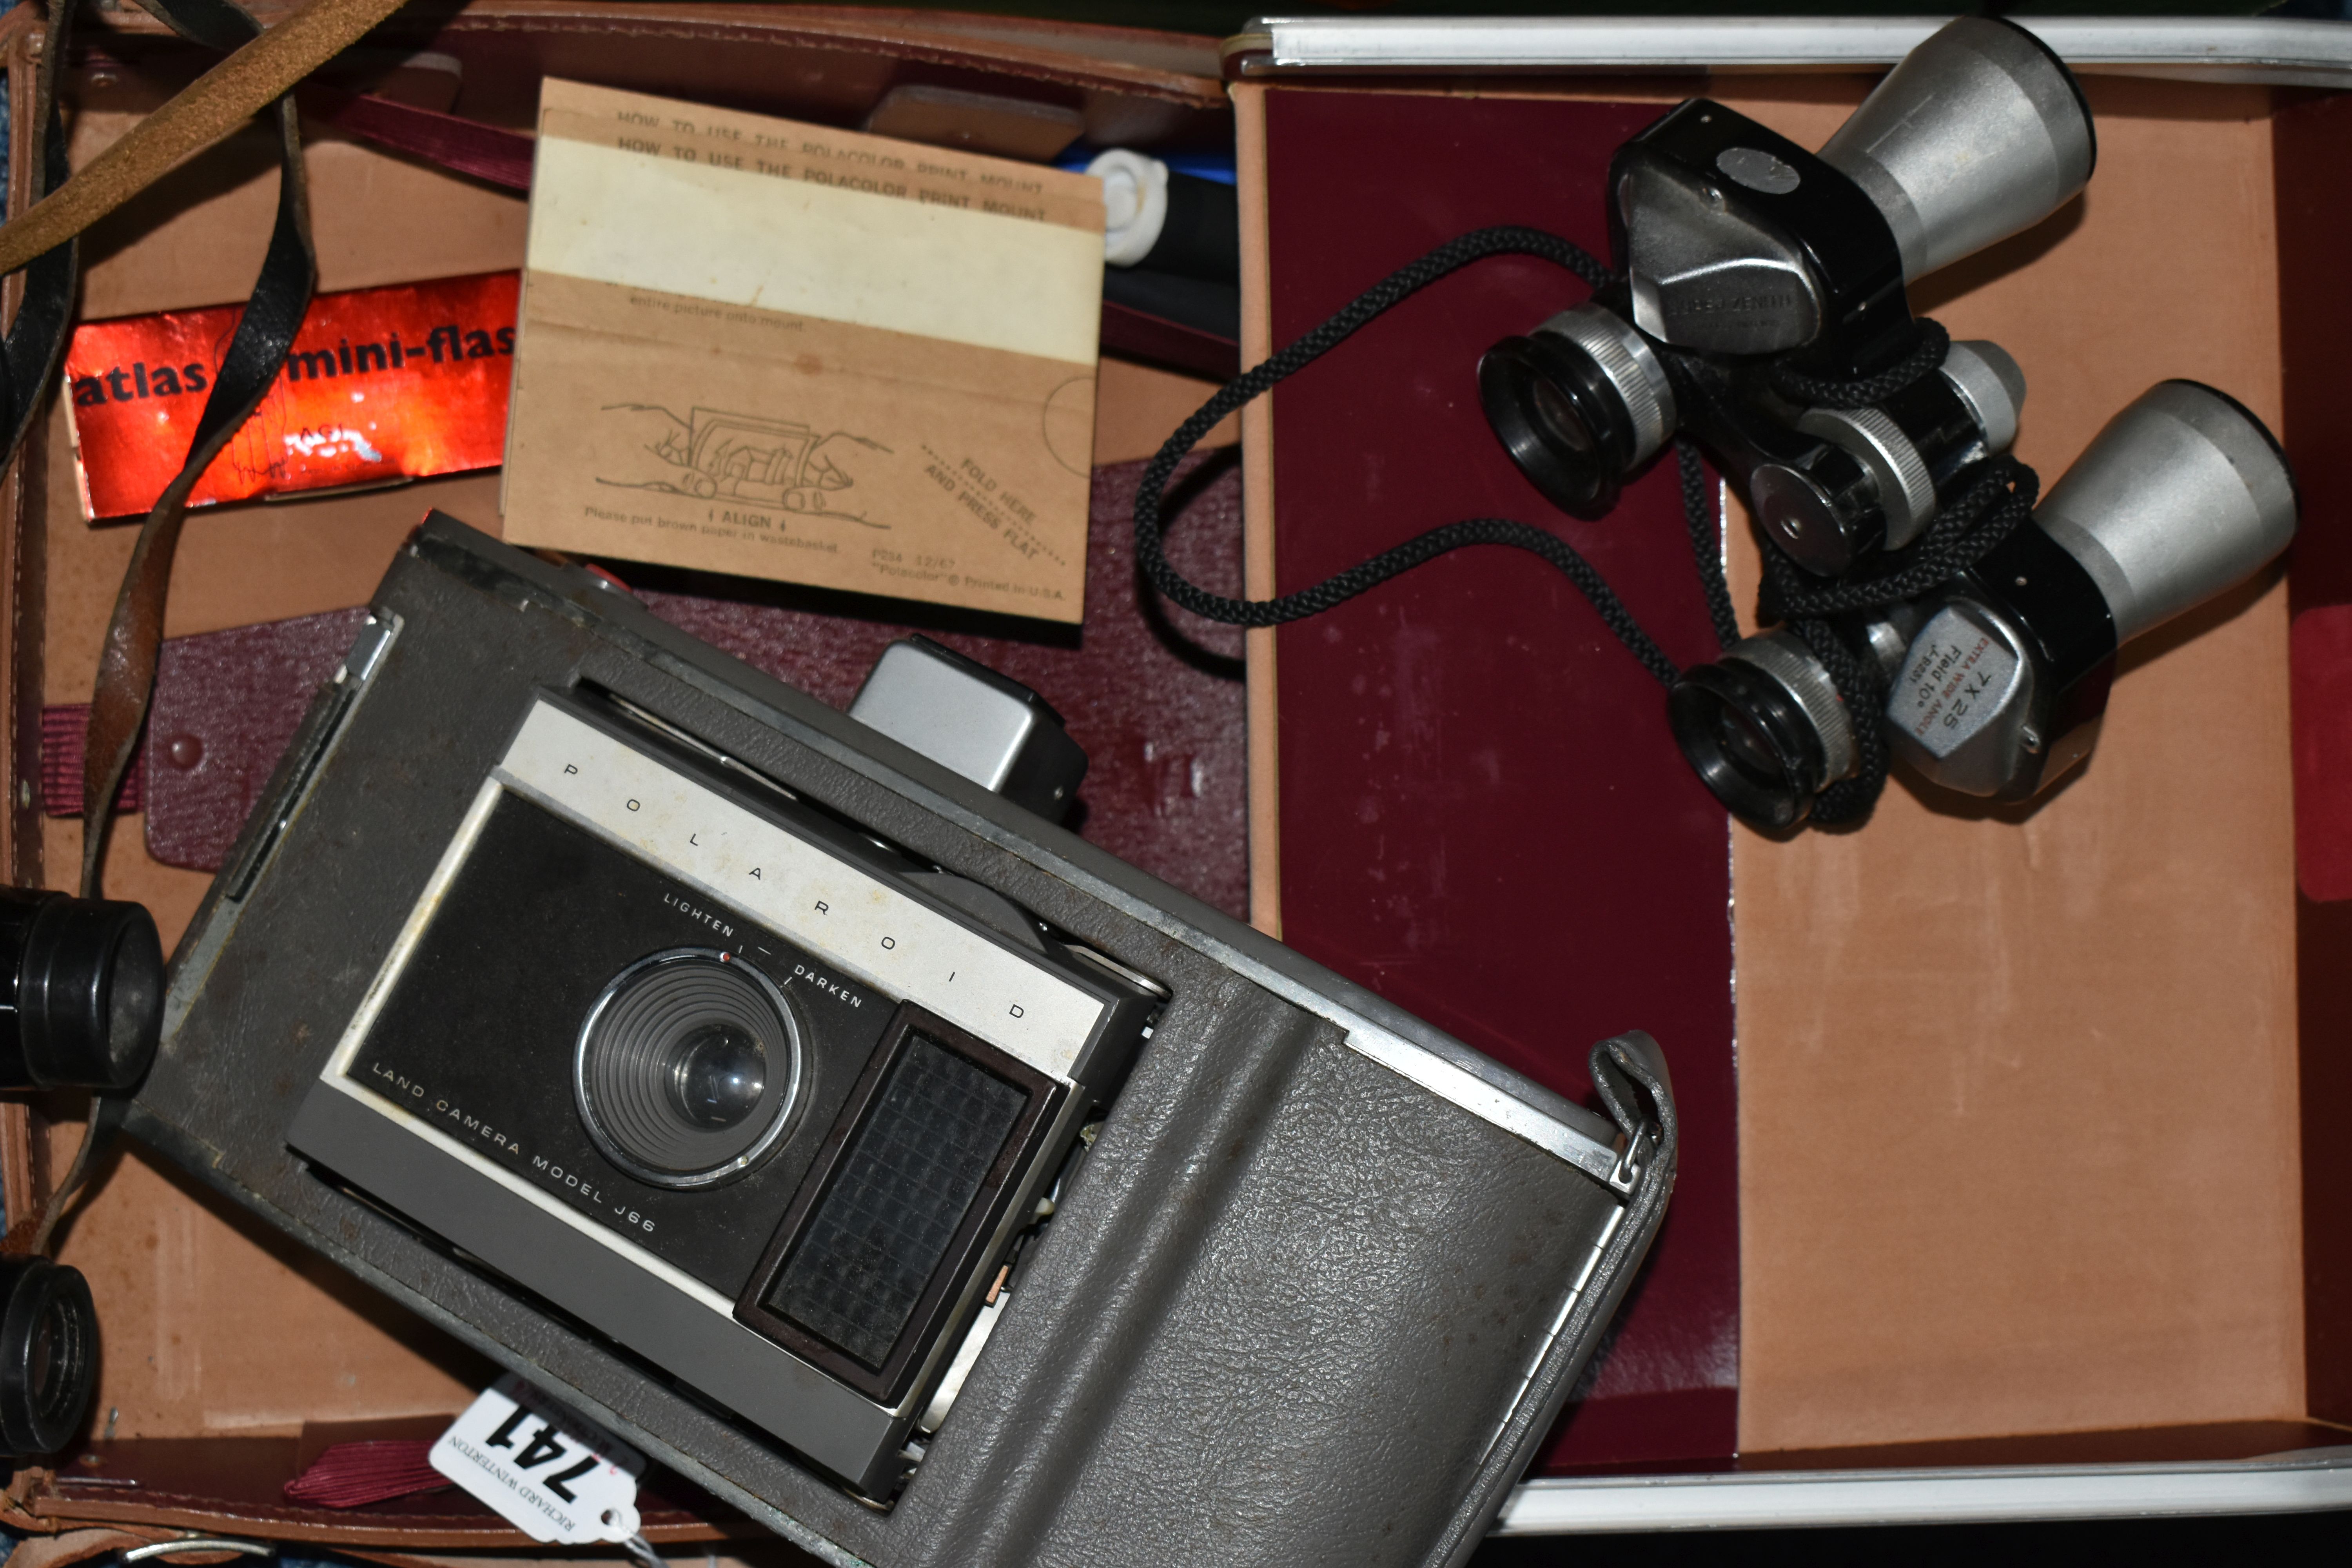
1135,204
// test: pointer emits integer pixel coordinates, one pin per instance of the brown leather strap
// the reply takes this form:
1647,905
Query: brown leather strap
36,343
208,111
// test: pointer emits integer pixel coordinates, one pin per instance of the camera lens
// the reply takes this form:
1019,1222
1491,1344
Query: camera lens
81,991
1764,728
49,1354
721,1077
687,1068
1578,403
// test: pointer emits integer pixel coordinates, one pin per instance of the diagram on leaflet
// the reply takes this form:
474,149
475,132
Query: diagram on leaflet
741,457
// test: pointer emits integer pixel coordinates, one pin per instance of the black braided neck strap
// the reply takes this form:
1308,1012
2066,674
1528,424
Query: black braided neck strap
1928,345
1406,282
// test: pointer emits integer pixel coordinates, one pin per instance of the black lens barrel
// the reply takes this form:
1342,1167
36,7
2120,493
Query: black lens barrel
1563,422
49,1354
1770,781
81,992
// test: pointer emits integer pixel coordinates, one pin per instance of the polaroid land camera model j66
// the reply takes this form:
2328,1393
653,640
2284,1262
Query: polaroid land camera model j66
910,1174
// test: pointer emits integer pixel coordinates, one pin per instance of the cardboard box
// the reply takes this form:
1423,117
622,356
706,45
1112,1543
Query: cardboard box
2061,1192
2036,1107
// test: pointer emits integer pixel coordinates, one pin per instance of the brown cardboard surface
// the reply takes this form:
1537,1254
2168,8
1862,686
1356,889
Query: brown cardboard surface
1138,406
199,236
217,1326
1257,503
2017,1136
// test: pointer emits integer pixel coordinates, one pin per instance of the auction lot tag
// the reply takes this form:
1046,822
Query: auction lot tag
549,1473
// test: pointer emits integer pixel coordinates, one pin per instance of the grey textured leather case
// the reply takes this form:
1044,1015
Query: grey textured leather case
1314,1298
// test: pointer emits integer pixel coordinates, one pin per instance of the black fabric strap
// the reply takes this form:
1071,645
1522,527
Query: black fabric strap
1929,344
1406,282
256,352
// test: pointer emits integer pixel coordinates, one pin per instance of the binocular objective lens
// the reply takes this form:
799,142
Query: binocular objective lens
81,992
721,1076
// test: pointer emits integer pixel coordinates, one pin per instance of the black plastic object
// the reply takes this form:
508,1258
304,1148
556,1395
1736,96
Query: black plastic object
1202,304
1563,422
83,981
49,1354
1202,235
1749,742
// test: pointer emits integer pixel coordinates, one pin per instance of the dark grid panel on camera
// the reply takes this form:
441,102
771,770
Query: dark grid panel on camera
903,1189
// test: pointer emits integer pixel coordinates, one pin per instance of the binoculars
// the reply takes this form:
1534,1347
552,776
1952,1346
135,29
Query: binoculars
81,1006
1761,310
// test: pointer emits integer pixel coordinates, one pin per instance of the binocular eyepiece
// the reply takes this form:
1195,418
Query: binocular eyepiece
1996,679
1579,403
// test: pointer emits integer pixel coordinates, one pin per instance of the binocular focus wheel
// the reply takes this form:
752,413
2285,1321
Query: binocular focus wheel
49,1354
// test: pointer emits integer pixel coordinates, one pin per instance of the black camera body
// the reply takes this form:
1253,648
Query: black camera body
947,1192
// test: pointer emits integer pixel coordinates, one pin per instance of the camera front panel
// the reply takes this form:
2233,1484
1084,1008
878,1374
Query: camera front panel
547,938
772,1110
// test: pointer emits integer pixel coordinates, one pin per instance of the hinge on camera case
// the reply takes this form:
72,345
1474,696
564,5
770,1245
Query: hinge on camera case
311,744
1632,1161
